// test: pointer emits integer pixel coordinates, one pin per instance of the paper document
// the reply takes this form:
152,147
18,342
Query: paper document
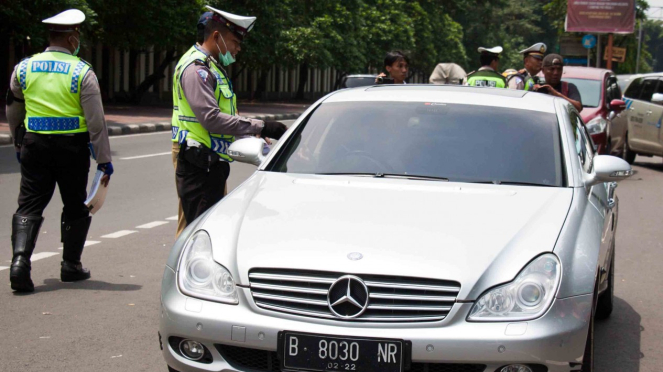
97,193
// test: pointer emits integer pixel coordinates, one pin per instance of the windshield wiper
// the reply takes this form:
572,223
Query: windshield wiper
388,175
517,183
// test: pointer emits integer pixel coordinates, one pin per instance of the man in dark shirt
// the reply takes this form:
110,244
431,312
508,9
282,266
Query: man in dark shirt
553,67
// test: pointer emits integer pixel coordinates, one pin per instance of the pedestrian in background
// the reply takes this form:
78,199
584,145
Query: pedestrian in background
397,66
553,68
206,110
526,78
55,97
487,75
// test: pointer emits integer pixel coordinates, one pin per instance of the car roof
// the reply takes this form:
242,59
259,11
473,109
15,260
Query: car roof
589,73
457,94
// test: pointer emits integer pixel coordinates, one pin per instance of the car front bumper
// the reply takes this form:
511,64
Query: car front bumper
556,340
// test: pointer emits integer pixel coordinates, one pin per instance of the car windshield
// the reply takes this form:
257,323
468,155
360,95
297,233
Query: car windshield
359,81
590,91
426,141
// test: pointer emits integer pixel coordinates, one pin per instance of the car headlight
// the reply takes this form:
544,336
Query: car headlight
596,125
526,297
200,276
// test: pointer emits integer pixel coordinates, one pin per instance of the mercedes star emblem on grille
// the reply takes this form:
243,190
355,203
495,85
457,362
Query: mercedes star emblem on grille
348,297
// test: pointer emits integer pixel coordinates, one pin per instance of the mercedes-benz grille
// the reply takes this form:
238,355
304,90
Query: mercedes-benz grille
390,298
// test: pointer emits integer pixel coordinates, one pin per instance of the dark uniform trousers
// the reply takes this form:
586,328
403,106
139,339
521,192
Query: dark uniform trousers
200,181
47,160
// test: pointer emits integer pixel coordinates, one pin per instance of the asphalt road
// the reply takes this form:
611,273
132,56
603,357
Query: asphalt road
109,323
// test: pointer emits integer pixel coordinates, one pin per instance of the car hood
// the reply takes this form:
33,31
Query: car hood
478,235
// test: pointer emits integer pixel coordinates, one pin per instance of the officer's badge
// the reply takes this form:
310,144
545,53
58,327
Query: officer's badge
203,75
543,49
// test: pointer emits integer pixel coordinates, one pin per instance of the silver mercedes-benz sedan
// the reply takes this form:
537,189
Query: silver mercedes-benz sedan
403,228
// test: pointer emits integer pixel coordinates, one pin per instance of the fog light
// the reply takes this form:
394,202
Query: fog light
193,350
516,368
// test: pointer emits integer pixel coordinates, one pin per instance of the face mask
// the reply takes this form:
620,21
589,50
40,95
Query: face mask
78,48
226,59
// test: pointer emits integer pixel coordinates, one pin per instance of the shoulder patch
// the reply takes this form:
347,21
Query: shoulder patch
203,75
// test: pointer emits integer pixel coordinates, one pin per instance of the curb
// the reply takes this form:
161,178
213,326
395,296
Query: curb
6,139
118,130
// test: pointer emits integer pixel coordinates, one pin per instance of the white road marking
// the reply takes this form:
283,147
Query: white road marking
119,234
173,218
147,156
152,224
40,255
88,243
4,268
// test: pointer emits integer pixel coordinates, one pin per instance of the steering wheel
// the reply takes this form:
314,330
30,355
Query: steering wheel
360,154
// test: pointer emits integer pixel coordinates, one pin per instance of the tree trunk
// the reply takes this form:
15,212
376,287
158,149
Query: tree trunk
158,74
303,77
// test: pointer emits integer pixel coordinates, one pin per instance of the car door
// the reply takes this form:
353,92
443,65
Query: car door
644,119
599,196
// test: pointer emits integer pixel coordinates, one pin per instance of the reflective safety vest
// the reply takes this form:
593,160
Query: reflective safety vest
486,78
185,124
528,80
51,84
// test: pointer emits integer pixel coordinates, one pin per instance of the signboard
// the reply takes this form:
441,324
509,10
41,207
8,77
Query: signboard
618,54
571,46
589,41
601,16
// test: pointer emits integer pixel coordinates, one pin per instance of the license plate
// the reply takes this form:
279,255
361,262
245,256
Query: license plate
310,352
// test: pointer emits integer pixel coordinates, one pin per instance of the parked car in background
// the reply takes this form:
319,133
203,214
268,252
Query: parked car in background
624,80
403,228
642,121
359,80
602,102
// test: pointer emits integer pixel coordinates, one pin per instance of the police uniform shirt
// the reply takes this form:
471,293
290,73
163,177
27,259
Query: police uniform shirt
198,84
92,108
517,82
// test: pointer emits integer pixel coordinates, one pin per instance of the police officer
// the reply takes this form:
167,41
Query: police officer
206,110
55,97
526,78
487,75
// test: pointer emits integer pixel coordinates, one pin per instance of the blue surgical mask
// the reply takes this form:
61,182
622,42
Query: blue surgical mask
78,48
225,59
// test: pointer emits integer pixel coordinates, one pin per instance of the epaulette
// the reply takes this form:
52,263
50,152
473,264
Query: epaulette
198,62
523,71
470,73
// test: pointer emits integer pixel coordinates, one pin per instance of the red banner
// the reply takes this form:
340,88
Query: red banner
601,16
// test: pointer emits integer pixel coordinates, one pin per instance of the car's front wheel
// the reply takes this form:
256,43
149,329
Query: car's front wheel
627,153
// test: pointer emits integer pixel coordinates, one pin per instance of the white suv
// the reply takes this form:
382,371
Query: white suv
644,112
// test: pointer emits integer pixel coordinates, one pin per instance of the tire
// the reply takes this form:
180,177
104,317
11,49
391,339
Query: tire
588,356
627,154
605,303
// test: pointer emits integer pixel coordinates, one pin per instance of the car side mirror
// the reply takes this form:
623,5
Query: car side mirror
617,105
657,98
608,168
248,150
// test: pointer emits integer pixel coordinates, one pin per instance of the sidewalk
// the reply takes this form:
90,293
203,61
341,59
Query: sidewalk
126,119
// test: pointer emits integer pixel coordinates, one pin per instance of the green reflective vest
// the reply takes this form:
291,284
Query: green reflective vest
486,78
185,124
51,84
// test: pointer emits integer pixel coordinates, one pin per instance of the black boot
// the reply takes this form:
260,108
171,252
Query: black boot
25,230
73,237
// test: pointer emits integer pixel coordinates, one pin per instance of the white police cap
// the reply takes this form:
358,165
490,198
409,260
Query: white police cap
493,50
67,21
239,25
536,50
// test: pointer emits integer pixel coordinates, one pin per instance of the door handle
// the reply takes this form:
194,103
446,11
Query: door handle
611,195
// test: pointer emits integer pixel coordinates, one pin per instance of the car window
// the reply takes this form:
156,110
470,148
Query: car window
590,91
634,88
648,89
659,89
358,81
463,143
613,91
583,143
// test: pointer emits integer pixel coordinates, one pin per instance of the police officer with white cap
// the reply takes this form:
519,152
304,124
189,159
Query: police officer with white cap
526,78
54,96
487,75
206,114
